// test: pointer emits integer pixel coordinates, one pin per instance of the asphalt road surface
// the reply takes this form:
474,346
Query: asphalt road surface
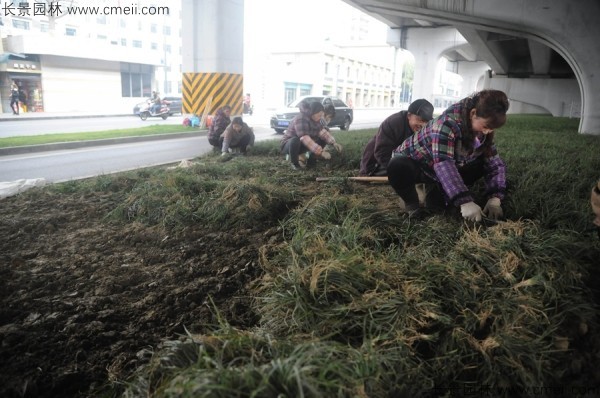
64,165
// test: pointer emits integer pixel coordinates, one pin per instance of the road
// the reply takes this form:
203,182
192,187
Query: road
64,165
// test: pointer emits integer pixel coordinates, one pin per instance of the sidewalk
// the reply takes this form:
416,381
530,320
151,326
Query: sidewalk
55,115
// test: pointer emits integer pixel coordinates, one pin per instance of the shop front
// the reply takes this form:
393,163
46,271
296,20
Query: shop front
26,73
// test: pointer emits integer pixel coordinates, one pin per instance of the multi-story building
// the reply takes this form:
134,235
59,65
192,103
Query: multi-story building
365,76
92,56
85,56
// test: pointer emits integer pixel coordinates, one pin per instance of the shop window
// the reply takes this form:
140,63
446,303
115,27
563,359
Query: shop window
136,80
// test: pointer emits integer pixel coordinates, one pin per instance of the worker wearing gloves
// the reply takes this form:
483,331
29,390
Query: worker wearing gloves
452,152
307,134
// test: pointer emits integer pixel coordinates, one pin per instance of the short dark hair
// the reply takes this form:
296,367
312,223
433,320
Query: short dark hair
315,107
237,120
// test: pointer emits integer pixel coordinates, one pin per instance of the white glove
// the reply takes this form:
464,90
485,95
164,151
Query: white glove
492,209
325,155
471,211
338,147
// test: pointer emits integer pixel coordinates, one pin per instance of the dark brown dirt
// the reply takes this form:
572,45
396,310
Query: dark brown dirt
82,299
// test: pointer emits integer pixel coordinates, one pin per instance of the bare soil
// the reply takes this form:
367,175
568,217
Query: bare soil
82,300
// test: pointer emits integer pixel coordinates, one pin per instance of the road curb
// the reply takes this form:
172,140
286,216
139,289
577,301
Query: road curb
18,150
23,117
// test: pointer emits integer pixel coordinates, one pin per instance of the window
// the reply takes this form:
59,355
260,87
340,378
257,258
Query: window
123,42
44,27
153,28
137,43
101,37
167,48
135,80
70,31
167,30
123,23
20,24
101,19
154,46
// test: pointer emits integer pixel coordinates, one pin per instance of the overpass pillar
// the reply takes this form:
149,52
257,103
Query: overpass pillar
212,33
427,46
475,75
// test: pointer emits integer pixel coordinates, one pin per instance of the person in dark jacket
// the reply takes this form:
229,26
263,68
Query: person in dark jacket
452,152
218,126
14,98
237,136
307,134
392,132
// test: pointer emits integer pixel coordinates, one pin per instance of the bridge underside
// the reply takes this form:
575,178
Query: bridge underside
538,53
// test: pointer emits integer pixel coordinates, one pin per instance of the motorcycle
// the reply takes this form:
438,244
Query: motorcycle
146,111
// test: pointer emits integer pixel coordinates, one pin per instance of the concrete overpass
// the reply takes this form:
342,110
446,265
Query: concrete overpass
543,53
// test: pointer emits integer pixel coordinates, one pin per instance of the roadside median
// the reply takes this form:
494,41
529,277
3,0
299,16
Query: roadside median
54,142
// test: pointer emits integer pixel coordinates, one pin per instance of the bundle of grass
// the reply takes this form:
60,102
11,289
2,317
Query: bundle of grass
233,363
474,306
184,197
241,204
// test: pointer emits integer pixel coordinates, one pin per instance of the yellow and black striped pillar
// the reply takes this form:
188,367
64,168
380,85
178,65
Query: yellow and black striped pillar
212,90
212,38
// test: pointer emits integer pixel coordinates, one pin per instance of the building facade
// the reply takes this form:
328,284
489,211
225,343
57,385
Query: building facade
89,58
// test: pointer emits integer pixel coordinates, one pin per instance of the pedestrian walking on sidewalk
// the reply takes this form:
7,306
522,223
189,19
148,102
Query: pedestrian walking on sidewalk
14,98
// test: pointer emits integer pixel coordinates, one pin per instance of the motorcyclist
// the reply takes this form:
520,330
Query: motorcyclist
155,100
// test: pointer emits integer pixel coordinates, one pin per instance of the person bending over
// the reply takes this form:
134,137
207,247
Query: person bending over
391,133
452,152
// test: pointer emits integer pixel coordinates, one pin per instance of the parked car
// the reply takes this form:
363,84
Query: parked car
343,113
174,104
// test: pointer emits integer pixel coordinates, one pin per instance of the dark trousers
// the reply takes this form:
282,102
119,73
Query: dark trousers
294,148
216,142
14,105
404,173
243,144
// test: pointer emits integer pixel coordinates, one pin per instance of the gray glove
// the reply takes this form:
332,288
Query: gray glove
492,209
325,155
471,211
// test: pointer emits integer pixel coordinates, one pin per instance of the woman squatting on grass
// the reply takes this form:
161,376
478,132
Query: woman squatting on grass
306,133
452,152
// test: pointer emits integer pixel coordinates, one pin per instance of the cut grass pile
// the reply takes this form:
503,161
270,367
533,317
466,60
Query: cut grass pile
358,301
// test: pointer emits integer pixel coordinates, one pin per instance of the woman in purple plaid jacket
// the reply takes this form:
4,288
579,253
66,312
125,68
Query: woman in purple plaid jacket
452,152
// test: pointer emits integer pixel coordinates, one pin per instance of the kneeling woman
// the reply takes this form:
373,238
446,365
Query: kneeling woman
453,151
